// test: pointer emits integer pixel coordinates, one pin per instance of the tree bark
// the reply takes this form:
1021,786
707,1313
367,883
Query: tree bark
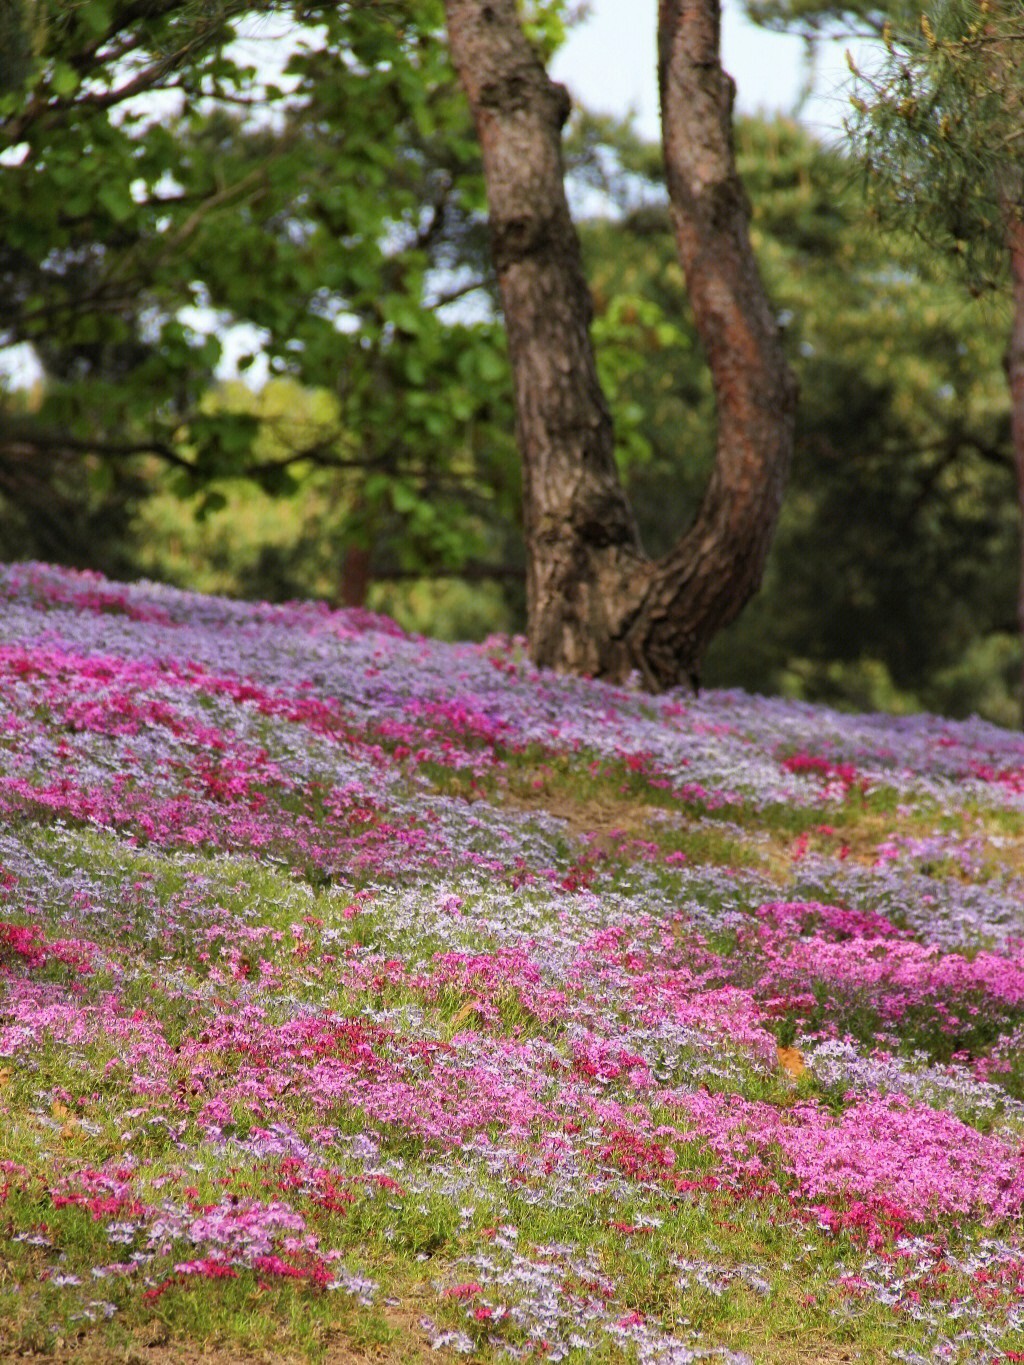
355,575
596,603
1014,361
583,546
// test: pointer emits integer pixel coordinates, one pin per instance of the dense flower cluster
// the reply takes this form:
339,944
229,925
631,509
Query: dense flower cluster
331,958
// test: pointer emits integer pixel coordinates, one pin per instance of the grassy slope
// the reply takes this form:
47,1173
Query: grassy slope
367,998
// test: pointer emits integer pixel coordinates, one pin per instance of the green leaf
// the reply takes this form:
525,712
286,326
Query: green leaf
376,488
117,201
101,478
415,371
64,80
95,14
405,314
404,498
491,365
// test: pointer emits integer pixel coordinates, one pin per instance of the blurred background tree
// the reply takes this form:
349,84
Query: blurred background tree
935,128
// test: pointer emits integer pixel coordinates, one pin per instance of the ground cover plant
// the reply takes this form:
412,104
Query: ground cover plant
363,997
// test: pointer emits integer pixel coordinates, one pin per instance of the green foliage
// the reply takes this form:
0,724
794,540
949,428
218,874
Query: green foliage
937,125
935,133
275,542
892,578
817,18
325,196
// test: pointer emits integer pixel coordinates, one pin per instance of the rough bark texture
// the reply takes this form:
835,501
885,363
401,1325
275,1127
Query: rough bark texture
596,603
583,548
715,568
1015,379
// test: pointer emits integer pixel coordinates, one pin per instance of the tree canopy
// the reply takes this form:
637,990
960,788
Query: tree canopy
382,448
330,209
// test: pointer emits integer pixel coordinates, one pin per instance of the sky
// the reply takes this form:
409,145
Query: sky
609,64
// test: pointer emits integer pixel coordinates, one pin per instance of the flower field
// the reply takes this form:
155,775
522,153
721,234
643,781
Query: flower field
368,998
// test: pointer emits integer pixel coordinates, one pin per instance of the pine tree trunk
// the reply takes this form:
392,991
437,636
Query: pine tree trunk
1014,361
596,603
355,575
584,559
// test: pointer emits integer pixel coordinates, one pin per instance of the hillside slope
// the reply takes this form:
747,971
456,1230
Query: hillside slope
368,998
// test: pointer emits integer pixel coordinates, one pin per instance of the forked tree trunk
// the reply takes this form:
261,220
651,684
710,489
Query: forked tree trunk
596,603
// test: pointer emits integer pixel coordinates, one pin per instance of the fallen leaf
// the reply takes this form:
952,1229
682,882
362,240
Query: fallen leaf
5,1077
59,1111
470,1007
791,1060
